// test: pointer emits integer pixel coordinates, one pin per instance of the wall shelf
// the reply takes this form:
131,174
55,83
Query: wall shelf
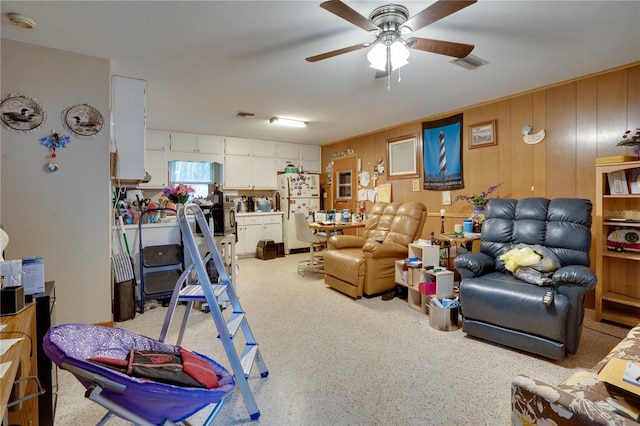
618,272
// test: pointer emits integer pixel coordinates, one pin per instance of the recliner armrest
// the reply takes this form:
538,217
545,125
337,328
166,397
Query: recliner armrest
375,249
346,241
471,265
576,275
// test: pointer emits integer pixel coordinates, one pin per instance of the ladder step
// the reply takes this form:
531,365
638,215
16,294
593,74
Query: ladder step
195,292
248,356
234,322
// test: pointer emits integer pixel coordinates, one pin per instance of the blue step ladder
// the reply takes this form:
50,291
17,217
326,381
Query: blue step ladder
194,285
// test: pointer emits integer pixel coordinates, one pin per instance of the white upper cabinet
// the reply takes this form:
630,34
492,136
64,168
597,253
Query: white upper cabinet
310,152
289,151
250,164
128,111
210,144
237,146
237,172
157,140
264,149
201,144
306,156
156,158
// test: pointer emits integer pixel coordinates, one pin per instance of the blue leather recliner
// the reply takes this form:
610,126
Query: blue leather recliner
501,308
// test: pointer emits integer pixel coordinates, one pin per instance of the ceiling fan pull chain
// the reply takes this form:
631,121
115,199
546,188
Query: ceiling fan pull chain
388,65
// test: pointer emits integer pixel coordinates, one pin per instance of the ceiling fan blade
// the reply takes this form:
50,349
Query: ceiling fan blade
435,12
336,52
448,48
345,12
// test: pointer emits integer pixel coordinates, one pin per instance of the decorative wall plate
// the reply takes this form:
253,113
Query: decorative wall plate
83,121
21,113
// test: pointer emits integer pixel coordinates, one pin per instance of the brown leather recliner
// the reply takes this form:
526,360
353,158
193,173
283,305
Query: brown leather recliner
365,265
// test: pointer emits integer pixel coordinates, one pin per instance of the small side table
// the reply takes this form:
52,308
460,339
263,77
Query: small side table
453,240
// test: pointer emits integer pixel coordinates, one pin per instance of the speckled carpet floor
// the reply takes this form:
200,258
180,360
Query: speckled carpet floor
333,360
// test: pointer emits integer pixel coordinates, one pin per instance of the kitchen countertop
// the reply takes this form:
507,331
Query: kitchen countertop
257,213
172,222
165,223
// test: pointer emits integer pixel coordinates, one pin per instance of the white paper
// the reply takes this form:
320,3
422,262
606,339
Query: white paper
371,194
632,374
4,367
5,344
364,178
362,194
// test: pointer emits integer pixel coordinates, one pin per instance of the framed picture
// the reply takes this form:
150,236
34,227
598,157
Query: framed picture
617,183
403,155
635,181
482,134
21,113
442,153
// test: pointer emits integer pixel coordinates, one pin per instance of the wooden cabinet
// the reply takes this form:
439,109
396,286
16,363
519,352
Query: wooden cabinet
22,363
617,266
253,227
128,111
156,158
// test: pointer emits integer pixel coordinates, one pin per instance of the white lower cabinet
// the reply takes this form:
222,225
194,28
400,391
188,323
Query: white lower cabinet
253,227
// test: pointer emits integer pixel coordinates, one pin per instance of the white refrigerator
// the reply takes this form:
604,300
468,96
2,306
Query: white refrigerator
298,192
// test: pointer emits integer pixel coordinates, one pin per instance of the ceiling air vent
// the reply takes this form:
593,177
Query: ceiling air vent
241,114
470,62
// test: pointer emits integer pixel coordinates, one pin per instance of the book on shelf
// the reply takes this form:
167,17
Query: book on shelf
635,181
615,159
618,182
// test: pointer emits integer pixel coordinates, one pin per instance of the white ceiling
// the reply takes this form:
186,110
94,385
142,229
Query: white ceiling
206,60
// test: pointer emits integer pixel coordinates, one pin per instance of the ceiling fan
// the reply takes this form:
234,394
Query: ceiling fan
389,23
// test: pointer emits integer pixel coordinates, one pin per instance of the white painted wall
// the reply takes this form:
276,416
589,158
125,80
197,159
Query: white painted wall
62,216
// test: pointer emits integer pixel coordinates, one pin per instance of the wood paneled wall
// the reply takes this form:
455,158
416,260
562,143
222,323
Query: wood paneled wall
583,118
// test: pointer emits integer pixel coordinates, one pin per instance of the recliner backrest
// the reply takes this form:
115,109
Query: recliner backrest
396,222
373,219
563,225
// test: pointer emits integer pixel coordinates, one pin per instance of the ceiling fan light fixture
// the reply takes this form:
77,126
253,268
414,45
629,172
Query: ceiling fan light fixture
381,52
288,122
399,55
377,56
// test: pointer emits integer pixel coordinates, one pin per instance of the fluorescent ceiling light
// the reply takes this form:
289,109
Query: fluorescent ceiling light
288,122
